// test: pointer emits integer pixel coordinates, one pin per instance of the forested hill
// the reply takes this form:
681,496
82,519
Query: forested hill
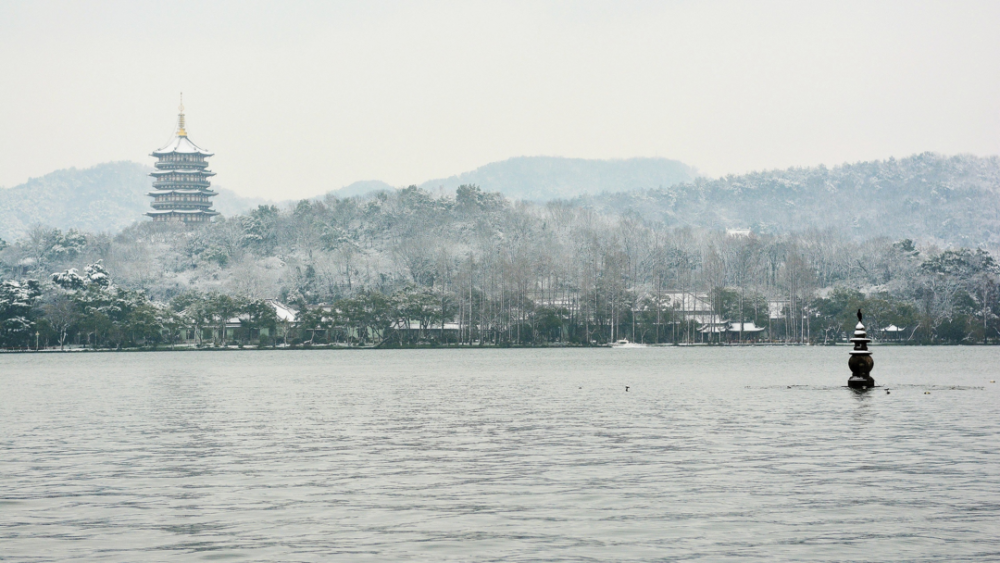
954,199
543,178
521,273
104,198
107,197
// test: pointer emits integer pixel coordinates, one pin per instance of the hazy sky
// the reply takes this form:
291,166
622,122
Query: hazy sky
297,98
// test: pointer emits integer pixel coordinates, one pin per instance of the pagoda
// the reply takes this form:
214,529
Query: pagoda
181,187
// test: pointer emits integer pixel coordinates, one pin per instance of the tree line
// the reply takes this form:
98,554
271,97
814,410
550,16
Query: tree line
409,267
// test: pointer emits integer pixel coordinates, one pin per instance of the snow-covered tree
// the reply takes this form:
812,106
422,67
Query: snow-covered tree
17,324
69,280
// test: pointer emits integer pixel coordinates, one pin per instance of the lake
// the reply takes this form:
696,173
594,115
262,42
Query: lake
713,454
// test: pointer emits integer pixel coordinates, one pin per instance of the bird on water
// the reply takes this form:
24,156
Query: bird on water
626,388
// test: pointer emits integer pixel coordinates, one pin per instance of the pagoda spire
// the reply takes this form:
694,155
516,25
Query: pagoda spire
181,132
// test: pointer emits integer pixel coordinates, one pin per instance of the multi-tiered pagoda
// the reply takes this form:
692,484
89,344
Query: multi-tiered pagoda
181,187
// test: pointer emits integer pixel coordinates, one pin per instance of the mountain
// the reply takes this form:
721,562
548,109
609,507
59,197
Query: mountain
107,197
542,178
230,203
951,199
361,188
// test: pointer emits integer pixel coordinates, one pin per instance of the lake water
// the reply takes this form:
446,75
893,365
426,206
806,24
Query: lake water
500,455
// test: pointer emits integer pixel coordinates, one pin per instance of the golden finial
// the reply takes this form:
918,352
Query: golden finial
180,129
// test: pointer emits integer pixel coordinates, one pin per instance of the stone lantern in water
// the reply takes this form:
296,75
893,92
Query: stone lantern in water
861,362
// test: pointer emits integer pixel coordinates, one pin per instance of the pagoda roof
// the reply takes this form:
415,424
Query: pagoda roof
183,191
182,145
182,212
198,172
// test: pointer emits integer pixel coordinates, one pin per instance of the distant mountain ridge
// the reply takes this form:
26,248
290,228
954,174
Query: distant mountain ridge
361,188
103,198
951,199
543,178
108,197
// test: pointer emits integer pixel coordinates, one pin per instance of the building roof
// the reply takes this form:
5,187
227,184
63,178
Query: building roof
688,301
182,145
182,191
194,172
284,312
181,212
729,326
414,324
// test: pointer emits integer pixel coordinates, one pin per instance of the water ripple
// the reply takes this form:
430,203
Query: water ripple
500,455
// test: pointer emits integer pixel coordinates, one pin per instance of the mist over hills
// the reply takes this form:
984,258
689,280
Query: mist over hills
111,196
360,188
104,198
955,200
951,199
544,178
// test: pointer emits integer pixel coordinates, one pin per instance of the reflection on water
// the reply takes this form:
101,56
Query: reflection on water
499,455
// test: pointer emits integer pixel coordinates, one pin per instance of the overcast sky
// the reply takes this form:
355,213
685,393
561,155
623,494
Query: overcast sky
297,98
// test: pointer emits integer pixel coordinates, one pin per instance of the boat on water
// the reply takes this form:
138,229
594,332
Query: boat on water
624,343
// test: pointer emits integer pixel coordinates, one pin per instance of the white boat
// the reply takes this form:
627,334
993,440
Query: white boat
624,343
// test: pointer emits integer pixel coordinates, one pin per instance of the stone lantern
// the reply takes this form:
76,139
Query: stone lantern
861,362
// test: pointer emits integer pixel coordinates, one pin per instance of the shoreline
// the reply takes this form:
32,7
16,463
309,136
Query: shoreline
461,347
